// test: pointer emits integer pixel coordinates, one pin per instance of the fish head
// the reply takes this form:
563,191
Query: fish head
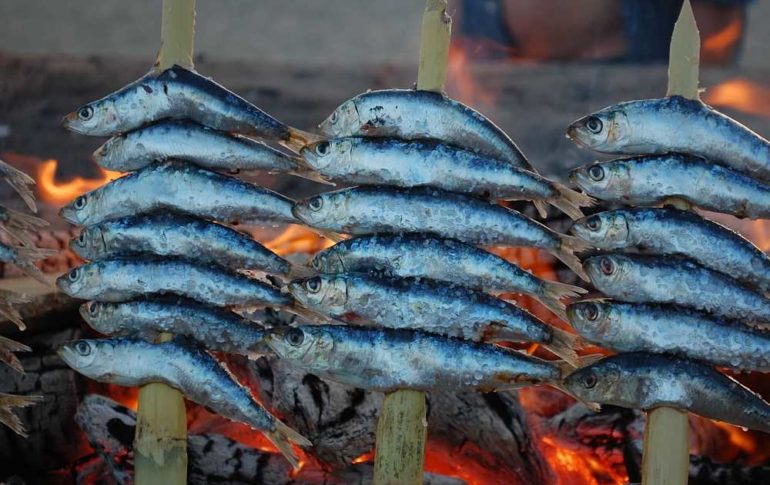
329,261
326,294
96,359
327,153
90,243
79,279
603,179
112,154
590,317
608,269
321,210
606,230
304,343
101,317
80,210
99,118
599,382
344,121
603,131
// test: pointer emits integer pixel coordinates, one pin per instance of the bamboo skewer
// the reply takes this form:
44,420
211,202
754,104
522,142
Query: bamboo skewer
402,427
666,458
160,443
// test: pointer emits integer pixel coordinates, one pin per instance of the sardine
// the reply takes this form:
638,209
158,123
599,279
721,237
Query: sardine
183,366
9,402
667,231
429,306
191,142
640,380
674,124
631,327
426,256
212,327
369,210
652,180
180,187
126,279
655,279
384,360
19,225
176,235
389,161
20,182
175,93
24,258
415,114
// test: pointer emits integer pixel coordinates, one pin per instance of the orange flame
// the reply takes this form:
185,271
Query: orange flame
720,45
742,95
55,192
298,239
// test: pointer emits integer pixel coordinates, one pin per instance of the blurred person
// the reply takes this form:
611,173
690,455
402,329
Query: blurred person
598,30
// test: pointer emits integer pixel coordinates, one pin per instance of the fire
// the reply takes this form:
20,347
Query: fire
55,192
720,45
742,95
460,82
298,239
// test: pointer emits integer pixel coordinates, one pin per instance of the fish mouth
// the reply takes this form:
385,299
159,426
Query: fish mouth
66,354
70,122
68,214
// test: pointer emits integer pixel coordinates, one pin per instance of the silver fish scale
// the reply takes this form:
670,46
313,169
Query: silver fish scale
181,187
390,359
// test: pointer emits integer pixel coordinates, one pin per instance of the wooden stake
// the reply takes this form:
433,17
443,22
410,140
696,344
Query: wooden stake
402,427
160,443
666,458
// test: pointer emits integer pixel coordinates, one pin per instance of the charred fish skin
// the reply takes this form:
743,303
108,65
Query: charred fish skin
641,380
651,180
113,280
383,360
637,278
668,231
214,328
183,366
176,235
175,93
191,142
674,124
180,187
635,327
448,260
372,209
415,114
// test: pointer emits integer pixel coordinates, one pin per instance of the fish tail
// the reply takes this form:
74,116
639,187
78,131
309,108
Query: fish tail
331,235
312,176
570,201
299,271
7,310
542,208
563,345
7,348
553,292
282,437
7,404
25,258
306,313
18,224
298,139
595,407
20,182
568,246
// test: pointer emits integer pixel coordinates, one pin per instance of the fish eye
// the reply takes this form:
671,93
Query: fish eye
295,336
82,238
594,223
589,381
83,348
85,113
316,263
594,125
591,311
316,203
313,285
93,308
322,149
74,274
596,172
81,202
607,266
333,118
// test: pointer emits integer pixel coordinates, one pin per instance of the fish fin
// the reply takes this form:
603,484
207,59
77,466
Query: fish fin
7,348
18,224
20,182
7,300
566,253
310,315
300,271
570,201
553,292
10,401
282,437
25,258
593,406
563,345
298,139
331,235
312,176
542,208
